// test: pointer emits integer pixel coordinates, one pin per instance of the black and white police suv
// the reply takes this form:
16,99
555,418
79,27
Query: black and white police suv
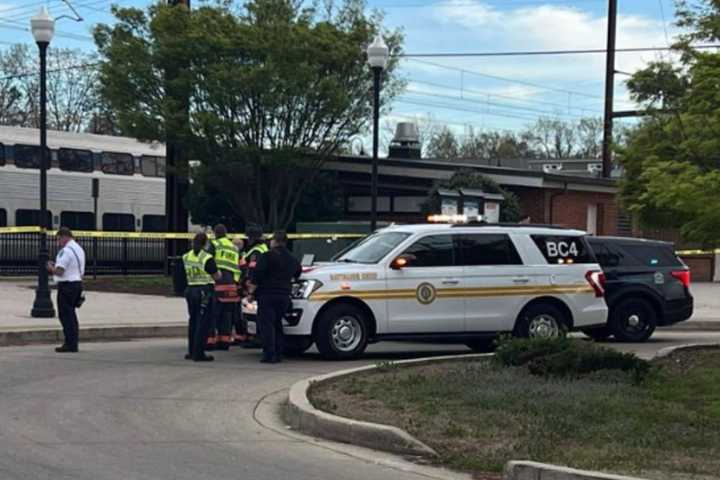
463,283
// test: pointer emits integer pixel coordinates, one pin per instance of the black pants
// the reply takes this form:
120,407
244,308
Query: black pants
223,319
199,301
271,311
67,298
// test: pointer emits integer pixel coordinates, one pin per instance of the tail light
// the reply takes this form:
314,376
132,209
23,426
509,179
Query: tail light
683,276
597,282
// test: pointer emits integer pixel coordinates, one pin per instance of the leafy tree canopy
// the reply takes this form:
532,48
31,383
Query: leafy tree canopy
272,92
671,159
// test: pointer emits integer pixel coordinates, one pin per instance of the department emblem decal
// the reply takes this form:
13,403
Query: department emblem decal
425,293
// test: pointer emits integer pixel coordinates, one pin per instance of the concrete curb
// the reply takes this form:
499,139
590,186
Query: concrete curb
91,334
693,325
666,352
303,417
521,470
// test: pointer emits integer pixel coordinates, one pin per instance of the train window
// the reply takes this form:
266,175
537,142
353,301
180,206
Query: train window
28,156
77,220
31,218
3,217
153,223
148,165
118,163
118,222
153,166
75,160
2,154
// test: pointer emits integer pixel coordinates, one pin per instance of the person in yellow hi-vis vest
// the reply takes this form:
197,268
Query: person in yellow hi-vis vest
254,248
227,258
200,270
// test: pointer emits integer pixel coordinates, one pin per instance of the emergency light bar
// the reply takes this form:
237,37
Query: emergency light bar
454,218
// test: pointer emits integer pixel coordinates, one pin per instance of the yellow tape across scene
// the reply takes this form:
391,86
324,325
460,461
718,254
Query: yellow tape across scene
173,235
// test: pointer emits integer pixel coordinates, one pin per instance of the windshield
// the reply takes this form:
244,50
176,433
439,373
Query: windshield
373,248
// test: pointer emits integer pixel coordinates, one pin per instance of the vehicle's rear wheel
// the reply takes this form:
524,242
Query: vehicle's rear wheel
342,332
482,345
633,320
541,320
598,334
297,345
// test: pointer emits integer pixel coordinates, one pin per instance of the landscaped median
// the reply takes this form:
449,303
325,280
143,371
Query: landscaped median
566,402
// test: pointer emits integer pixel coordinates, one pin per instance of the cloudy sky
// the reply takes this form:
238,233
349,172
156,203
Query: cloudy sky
480,92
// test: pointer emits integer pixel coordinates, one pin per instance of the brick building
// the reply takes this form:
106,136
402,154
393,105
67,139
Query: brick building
582,202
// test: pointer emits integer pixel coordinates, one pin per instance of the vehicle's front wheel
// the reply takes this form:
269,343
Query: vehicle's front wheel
542,320
633,320
342,332
598,334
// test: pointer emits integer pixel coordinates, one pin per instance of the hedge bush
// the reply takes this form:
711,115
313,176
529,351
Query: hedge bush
564,357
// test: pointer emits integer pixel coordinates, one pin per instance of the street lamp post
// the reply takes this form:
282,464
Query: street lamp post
377,53
43,28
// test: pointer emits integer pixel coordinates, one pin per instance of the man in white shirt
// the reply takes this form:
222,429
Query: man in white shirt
68,269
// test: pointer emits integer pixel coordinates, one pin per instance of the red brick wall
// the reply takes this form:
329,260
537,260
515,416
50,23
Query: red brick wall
568,209
701,267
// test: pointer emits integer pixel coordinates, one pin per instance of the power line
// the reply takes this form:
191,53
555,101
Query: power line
508,97
494,104
425,103
504,79
470,4
82,66
525,53
662,15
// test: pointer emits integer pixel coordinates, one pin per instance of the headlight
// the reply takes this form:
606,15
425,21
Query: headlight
305,288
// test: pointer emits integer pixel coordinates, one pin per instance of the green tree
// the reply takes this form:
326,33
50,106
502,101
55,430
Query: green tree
671,159
509,208
273,92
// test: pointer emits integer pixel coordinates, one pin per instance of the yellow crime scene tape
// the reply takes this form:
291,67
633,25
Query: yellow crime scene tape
174,235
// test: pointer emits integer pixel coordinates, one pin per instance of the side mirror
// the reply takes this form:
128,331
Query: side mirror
401,262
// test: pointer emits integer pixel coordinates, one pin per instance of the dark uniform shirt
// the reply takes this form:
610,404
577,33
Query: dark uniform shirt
275,271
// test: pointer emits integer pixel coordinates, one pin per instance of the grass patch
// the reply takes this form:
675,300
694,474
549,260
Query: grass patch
138,284
479,414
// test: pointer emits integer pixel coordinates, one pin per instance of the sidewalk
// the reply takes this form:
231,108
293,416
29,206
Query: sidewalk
103,316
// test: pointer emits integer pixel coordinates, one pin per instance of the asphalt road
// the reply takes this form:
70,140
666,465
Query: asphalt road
137,410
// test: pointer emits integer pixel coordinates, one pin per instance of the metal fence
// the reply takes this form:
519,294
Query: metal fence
130,253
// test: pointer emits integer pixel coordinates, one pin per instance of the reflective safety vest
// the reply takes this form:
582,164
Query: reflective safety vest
227,257
195,268
259,248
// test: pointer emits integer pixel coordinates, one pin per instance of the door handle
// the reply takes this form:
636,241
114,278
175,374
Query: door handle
450,281
522,280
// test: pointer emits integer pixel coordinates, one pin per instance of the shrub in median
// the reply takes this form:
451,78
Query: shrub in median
567,358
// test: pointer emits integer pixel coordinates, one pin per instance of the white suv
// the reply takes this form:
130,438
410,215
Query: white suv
451,283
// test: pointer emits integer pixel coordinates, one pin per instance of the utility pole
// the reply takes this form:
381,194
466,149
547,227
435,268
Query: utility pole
176,170
609,90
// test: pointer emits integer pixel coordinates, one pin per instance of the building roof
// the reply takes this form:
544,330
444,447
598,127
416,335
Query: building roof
441,170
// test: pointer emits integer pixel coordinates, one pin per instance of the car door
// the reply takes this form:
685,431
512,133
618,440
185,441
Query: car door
497,282
424,296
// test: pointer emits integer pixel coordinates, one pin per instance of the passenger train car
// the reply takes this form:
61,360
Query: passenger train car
131,178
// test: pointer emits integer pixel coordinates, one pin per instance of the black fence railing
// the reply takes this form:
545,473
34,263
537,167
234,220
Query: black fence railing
131,253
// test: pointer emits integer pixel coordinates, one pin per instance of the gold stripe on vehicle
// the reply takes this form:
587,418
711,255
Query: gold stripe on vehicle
402,294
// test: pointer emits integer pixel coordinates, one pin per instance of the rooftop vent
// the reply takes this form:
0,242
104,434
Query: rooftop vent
552,167
406,143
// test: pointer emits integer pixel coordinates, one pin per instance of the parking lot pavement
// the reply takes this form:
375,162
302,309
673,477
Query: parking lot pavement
138,410
707,301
